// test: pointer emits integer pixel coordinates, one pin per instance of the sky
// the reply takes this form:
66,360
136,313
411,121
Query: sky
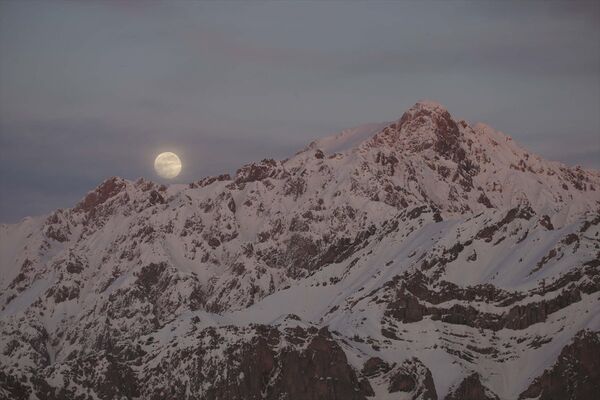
90,90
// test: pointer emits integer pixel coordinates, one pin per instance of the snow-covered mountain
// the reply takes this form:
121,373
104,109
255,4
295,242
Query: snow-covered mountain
426,258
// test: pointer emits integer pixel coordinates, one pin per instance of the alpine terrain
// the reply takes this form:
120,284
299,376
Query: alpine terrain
425,258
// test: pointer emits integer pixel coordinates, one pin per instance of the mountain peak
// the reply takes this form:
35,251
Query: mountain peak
107,189
439,222
428,105
430,119
426,125
428,115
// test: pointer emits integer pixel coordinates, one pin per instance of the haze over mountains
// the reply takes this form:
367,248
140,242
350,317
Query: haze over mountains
423,258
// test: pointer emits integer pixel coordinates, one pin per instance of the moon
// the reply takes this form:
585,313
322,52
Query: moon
167,165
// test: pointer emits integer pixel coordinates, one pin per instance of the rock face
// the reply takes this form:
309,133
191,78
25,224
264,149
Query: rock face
471,388
575,375
264,366
413,378
421,258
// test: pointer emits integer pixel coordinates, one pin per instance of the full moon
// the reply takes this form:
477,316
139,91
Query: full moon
167,165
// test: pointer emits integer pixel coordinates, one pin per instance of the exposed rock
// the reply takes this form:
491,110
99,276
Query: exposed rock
483,199
401,382
256,171
488,232
365,388
105,191
471,388
75,267
375,366
406,308
575,375
546,222
413,377
523,316
295,187
156,198
256,370
209,181
13,388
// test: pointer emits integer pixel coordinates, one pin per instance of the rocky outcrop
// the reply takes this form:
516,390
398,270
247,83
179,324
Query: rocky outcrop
267,168
406,307
413,378
375,366
105,191
488,232
471,388
11,387
312,366
296,364
412,296
575,375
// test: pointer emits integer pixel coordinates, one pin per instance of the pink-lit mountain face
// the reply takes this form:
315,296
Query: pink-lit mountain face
426,258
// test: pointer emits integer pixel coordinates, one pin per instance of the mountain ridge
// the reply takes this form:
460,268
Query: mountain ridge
400,248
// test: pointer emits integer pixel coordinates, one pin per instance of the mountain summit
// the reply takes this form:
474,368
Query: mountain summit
423,258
